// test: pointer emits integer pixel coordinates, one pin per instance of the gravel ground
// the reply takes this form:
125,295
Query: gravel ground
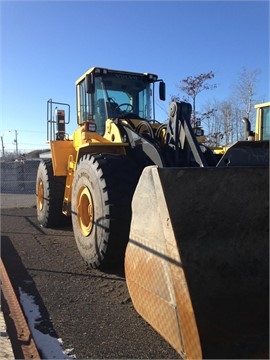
89,310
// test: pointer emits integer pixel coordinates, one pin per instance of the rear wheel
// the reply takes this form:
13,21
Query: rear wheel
102,190
50,195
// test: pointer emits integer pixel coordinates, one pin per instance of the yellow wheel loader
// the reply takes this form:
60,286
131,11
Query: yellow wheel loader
190,228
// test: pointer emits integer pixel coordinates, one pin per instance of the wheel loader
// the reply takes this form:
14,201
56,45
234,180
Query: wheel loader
190,228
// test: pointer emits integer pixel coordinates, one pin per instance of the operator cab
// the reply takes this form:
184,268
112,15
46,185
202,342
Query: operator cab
108,94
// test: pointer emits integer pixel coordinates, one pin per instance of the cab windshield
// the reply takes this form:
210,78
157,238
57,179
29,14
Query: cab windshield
121,95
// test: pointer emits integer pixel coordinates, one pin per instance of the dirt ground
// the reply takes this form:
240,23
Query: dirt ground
89,310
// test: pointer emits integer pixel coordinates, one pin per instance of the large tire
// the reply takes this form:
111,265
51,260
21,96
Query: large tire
50,194
102,191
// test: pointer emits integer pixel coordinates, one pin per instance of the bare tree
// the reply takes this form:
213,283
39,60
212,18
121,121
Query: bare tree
193,85
223,119
237,123
245,90
211,121
227,121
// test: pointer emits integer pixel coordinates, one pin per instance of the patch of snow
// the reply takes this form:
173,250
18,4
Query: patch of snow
50,347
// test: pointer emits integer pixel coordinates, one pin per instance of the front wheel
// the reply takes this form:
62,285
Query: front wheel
102,191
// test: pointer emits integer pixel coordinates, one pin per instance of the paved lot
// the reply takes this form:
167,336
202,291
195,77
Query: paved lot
10,201
90,311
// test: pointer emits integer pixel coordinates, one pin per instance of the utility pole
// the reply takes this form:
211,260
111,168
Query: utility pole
16,142
3,148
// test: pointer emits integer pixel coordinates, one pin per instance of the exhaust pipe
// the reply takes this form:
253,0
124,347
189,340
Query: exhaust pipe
249,135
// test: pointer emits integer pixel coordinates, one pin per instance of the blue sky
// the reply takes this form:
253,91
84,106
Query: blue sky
47,45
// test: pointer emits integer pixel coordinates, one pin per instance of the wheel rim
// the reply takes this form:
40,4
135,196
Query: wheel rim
85,211
40,195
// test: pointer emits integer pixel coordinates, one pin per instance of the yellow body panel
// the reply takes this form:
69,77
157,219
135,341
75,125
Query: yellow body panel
81,137
61,150
220,150
112,133
259,123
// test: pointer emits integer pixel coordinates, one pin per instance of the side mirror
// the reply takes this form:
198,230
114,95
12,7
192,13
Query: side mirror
162,90
90,83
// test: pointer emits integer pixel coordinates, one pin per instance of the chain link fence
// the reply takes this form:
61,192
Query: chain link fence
19,177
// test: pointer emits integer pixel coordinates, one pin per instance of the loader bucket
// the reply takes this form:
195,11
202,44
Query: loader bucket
197,261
